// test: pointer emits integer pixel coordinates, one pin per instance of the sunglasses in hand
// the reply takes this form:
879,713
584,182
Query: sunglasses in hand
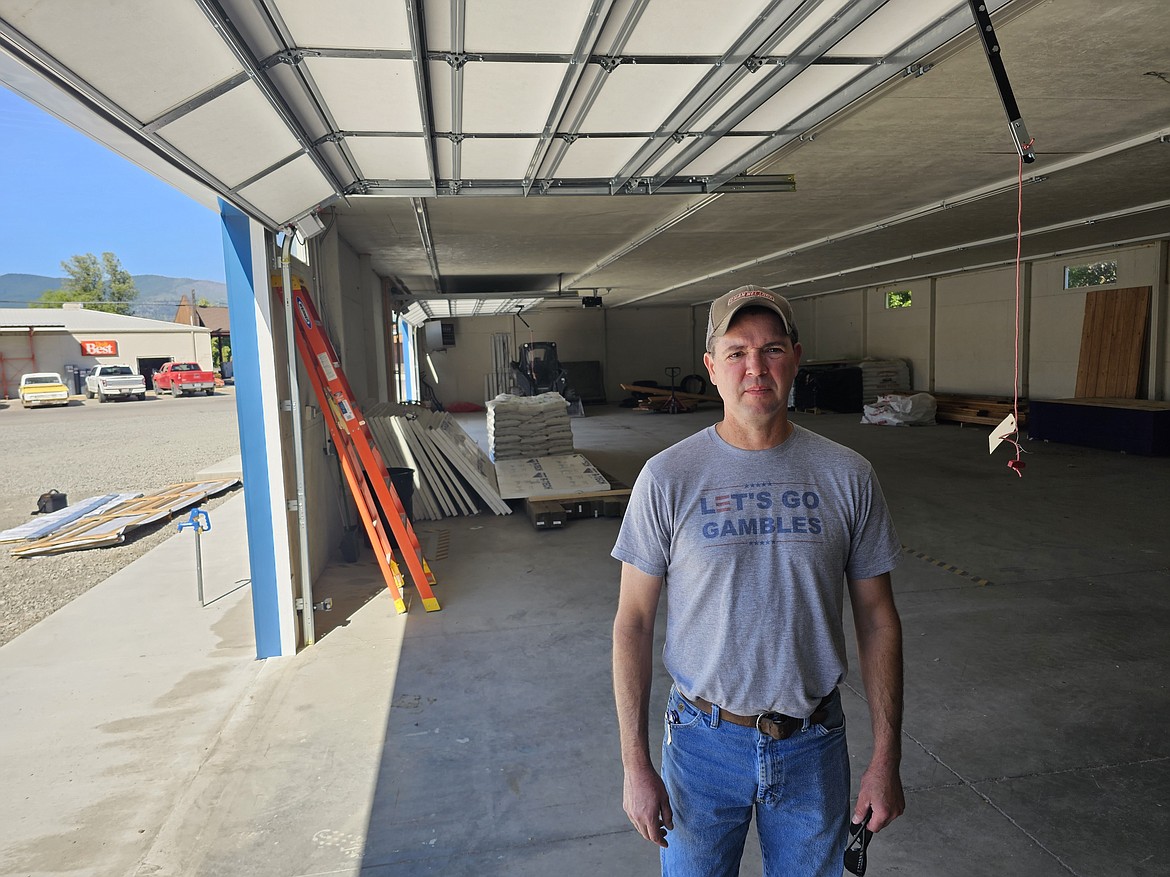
855,851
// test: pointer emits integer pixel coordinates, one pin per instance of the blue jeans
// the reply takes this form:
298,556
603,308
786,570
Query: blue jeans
717,773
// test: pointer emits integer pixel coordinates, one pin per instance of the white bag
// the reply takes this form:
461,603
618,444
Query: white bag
895,410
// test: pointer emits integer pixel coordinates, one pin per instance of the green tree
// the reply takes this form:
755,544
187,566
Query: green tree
103,285
1093,274
900,299
203,302
120,291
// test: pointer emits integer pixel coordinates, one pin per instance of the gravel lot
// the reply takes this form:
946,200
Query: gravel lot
89,449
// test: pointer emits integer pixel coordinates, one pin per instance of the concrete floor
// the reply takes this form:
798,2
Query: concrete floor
481,739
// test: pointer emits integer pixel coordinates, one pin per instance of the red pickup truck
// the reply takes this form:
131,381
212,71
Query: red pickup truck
183,378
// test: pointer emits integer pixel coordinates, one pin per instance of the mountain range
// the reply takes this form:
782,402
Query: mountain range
158,296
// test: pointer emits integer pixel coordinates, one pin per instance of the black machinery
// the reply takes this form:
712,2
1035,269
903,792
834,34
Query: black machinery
538,370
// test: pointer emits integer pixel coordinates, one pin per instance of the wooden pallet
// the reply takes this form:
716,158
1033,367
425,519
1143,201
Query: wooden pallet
553,512
658,398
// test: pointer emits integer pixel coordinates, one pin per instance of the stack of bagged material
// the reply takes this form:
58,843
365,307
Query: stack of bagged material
880,377
520,427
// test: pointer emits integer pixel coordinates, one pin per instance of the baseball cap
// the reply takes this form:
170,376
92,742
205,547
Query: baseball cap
726,306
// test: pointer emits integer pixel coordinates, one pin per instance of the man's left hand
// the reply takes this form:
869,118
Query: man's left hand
881,795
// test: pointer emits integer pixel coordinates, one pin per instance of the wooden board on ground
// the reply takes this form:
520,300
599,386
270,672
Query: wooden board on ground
597,504
547,477
981,410
545,515
109,525
53,521
667,392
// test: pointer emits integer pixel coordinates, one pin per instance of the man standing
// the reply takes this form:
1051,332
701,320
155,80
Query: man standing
753,526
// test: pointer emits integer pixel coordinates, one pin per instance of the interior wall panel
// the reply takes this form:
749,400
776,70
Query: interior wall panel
643,342
838,331
975,333
354,316
901,333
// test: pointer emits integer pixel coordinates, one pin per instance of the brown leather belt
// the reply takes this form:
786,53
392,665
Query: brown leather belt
776,725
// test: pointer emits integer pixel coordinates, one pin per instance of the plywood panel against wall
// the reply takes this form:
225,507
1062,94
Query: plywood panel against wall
1058,315
975,333
1112,343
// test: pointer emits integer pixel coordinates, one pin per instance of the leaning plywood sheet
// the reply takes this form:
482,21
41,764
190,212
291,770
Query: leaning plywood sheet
445,480
422,464
384,418
442,468
470,460
565,475
1112,341
109,527
46,524
397,454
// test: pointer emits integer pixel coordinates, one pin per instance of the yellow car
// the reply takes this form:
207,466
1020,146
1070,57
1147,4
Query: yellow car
43,388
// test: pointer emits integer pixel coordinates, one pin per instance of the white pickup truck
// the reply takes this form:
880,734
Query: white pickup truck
114,382
42,388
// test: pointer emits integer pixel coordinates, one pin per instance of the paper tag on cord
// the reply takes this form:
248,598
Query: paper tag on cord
1006,427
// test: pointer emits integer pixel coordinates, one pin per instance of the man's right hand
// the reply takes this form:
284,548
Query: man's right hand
647,805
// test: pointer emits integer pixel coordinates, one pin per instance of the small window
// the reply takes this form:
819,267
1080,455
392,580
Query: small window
1092,274
898,299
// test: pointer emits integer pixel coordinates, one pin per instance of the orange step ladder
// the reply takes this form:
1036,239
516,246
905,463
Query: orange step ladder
361,461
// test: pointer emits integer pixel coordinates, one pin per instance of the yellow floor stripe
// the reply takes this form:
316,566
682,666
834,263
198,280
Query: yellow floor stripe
948,567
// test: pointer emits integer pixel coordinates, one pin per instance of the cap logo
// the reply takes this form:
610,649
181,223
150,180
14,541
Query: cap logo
751,293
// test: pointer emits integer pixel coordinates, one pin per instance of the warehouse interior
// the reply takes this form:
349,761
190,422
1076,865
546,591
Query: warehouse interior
594,173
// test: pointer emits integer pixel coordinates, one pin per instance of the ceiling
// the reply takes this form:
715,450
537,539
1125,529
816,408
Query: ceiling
653,152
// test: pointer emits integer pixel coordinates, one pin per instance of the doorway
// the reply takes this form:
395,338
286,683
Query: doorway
148,365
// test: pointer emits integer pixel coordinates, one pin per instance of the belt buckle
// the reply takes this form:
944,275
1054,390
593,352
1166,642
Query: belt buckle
779,726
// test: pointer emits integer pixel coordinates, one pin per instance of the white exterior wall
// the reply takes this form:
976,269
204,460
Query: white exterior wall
56,348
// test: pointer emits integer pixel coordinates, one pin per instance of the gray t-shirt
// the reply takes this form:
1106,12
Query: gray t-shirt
754,548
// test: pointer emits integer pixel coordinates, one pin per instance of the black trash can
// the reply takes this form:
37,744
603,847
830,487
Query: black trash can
403,481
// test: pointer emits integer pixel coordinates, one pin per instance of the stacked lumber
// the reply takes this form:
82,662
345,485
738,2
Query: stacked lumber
452,475
522,427
664,399
985,410
552,512
101,521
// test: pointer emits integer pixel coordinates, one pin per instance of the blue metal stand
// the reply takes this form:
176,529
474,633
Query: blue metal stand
200,522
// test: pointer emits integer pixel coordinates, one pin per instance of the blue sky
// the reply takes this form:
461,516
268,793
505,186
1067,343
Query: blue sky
65,194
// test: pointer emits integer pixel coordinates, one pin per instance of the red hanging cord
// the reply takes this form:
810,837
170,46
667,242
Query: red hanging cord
1017,465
